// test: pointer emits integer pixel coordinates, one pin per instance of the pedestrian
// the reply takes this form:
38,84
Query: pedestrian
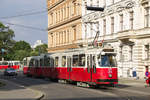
147,76
134,72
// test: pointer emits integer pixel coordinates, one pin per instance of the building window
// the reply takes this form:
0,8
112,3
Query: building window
146,52
52,39
51,21
68,36
104,27
91,29
112,1
112,24
56,38
56,17
64,36
85,31
130,52
131,20
74,32
59,38
61,14
74,7
146,17
97,3
120,53
121,22
85,3
65,12
68,11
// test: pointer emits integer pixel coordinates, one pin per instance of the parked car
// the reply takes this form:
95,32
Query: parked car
10,72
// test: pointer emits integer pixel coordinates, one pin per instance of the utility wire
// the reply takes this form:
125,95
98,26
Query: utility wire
26,14
25,26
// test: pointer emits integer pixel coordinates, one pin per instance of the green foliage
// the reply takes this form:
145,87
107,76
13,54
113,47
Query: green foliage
20,54
17,50
41,48
22,45
20,50
34,53
6,38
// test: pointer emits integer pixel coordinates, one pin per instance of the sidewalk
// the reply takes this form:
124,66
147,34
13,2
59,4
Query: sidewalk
132,81
12,91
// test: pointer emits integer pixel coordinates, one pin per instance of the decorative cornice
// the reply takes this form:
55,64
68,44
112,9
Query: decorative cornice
145,3
65,22
118,7
55,4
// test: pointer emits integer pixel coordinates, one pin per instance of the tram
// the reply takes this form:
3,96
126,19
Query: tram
93,66
9,64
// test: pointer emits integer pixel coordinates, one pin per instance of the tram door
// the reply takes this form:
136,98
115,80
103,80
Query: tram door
69,69
91,67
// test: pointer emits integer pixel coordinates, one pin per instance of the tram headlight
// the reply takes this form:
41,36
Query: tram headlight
110,75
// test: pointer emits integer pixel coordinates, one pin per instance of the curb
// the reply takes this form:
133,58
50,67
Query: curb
39,94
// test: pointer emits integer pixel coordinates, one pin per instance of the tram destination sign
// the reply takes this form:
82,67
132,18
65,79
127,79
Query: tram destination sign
108,50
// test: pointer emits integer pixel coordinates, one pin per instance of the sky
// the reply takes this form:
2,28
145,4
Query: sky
10,8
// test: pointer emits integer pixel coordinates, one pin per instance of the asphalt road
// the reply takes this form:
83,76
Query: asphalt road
58,91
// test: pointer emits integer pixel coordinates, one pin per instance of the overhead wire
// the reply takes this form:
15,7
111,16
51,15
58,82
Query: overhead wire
25,14
25,26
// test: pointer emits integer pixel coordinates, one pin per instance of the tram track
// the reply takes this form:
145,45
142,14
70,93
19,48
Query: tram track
95,94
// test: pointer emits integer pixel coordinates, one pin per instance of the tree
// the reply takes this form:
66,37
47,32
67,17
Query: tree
41,48
34,53
22,45
6,38
21,49
20,54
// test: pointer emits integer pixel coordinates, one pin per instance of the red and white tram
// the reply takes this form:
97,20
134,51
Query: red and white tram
9,64
91,66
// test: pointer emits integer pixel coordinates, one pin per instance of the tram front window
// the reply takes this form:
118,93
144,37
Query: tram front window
107,61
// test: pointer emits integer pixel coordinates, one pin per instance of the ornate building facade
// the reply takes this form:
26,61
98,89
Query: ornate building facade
64,24
124,24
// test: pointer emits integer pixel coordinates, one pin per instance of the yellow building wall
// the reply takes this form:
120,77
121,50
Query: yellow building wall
64,24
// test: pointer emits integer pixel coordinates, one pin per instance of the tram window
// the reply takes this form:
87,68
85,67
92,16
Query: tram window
45,61
88,61
51,62
36,63
64,61
48,62
82,60
25,63
56,61
75,60
4,63
31,63
41,62
107,60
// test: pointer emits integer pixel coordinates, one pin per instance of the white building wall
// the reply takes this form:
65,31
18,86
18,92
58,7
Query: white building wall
139,35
